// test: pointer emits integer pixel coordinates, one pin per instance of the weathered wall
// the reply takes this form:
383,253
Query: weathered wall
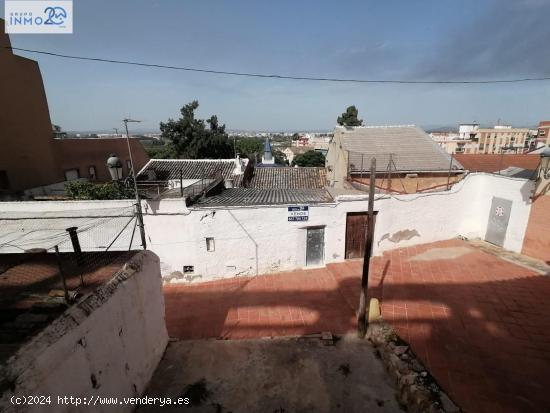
108,344
518,191
256,240
26,153
402,184
30,157
82,153
336,162
537,237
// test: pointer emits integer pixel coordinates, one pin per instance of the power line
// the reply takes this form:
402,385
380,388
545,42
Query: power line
275,76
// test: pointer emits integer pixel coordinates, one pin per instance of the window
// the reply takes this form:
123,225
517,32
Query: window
92,172
4,181
210,245
72,174
188,269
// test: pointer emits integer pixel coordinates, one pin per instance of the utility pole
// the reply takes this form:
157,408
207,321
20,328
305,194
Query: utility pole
138,201
362,313
389,173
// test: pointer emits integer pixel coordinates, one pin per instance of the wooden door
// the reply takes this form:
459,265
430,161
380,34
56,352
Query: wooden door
356,230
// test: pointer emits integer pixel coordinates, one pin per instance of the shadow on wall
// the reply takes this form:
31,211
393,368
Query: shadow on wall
527,191
486,342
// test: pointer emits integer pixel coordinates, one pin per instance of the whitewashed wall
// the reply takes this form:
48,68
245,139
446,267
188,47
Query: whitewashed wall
117,335
256,240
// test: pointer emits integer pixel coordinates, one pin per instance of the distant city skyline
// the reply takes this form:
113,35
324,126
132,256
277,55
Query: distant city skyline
427,40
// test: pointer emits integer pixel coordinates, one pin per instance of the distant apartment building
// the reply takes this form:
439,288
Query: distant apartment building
468,130
317,141
501,139
452,143
32,160
471,139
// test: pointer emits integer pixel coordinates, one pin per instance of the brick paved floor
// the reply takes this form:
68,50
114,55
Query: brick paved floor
478,322
301,302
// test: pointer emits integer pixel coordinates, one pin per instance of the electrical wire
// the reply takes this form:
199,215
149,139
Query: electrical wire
287,77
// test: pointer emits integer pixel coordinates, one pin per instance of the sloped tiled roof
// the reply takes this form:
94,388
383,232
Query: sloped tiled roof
497,162
411,148
287,178
191,168
255,196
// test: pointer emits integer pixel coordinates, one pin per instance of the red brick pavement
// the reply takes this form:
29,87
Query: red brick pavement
302,302
479,323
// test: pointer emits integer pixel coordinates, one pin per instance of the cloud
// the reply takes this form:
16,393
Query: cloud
510,39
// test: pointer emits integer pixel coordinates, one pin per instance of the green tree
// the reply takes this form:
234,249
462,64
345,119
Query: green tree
193,139
280,157
89,190
309,158
249,147
167,151
350,117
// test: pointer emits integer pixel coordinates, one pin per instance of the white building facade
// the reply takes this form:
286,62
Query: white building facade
206,243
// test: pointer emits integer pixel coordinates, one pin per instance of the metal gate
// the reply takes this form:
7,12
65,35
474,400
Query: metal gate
315,247
498,221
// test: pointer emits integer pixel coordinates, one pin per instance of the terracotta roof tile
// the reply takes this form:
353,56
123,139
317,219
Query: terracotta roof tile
497,162
254,196
166,169
287,178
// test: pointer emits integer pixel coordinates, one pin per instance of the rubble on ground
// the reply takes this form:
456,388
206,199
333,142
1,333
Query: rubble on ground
417,390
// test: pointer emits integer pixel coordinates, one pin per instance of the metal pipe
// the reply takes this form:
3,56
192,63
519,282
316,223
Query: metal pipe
73,235
389,173
138,201
181,183
62,275
449,175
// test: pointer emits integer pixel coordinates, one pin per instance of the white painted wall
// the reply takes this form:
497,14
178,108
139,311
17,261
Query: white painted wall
117,334
256,240
516,190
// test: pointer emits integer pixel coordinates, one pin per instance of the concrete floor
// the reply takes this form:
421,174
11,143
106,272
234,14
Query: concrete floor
276,375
